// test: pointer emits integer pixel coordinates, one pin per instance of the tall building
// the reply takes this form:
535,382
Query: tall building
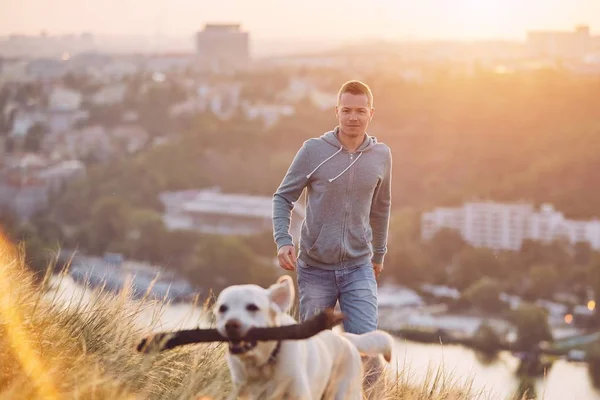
223,47
567,44
504,226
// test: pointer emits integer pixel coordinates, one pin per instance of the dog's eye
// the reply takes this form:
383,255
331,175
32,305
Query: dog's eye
252,307
223,308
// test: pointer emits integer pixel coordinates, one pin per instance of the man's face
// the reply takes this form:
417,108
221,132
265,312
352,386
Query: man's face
354,114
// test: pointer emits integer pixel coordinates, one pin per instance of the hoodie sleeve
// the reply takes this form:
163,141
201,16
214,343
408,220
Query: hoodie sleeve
287,194
380,212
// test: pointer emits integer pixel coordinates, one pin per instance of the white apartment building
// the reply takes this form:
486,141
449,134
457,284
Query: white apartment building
504,226
211,211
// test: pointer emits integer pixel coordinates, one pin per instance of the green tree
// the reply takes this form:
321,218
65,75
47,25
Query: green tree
179,246
532,326
558,252
594,282
473,263
531,252
146,236
484,295
445,244
107,227
544,280
487,340
9,224
34,137
220,261
410,265
9,145
582,253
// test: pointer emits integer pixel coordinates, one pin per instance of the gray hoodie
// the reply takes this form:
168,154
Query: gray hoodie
348,202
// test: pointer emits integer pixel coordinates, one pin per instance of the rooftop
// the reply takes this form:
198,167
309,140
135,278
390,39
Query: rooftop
214,202
222,27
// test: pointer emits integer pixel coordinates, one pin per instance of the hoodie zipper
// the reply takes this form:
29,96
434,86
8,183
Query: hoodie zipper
346,210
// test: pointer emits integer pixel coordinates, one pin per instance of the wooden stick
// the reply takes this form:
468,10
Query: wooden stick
327,319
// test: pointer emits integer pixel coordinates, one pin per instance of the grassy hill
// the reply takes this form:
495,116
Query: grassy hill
85,349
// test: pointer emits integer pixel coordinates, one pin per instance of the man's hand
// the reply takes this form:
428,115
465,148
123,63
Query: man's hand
287,258
377,268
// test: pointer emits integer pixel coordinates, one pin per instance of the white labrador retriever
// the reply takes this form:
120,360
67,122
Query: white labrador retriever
328,365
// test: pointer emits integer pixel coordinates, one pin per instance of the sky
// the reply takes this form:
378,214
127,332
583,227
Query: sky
303,19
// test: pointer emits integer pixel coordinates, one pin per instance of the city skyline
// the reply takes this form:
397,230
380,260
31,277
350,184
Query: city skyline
310,20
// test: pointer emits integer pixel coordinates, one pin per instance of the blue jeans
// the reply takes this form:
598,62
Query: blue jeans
354,287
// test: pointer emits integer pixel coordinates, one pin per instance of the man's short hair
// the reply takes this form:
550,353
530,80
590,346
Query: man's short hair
356,87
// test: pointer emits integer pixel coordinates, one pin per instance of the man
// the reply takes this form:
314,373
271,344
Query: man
347,175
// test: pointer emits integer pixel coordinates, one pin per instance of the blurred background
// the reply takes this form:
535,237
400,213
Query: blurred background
148,138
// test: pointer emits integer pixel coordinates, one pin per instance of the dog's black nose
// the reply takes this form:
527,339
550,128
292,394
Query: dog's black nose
233,327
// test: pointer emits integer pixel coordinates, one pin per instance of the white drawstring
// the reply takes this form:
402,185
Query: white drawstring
347,168
329,158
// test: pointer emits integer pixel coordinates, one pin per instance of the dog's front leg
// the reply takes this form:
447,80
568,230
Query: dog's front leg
235,393
300,390
238,392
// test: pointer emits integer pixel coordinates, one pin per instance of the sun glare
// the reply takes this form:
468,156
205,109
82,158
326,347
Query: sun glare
14,326
480,9
487,18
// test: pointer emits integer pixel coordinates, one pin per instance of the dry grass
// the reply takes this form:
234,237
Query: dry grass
86,350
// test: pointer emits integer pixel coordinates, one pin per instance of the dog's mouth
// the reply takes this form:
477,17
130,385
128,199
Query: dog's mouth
241,347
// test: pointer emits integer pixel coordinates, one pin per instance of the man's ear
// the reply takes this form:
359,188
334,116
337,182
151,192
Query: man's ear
282,293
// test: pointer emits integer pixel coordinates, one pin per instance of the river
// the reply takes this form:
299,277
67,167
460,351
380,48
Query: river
491,380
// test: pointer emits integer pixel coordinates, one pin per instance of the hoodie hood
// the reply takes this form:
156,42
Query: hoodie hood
331,138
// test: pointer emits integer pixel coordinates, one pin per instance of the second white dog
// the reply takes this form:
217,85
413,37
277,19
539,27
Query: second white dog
328,365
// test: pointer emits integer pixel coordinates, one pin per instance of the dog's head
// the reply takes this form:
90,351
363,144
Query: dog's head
242,307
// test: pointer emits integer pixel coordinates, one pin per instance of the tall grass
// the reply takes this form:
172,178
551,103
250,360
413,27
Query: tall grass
84,348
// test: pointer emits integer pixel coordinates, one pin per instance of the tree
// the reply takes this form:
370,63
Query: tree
107,228
146,235
9,145
446,243
484,295
219,261
532,326
178,247
473,263
9,224
410,265
594,282
34,137
531,252
487,340
544,280
583,253
558,253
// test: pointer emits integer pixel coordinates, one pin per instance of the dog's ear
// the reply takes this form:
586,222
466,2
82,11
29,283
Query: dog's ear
282,293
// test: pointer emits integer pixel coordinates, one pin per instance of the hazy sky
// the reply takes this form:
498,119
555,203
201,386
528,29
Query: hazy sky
308,19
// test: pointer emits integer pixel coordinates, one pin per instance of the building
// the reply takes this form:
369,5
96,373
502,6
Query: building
270,114
504,226
223,47
109,95
27,182
62,99
561,44
210,211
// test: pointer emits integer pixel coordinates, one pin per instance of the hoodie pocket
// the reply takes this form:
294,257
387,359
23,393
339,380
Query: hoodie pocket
326,247
358,243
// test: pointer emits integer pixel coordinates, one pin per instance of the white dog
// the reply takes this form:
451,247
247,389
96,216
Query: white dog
328,365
